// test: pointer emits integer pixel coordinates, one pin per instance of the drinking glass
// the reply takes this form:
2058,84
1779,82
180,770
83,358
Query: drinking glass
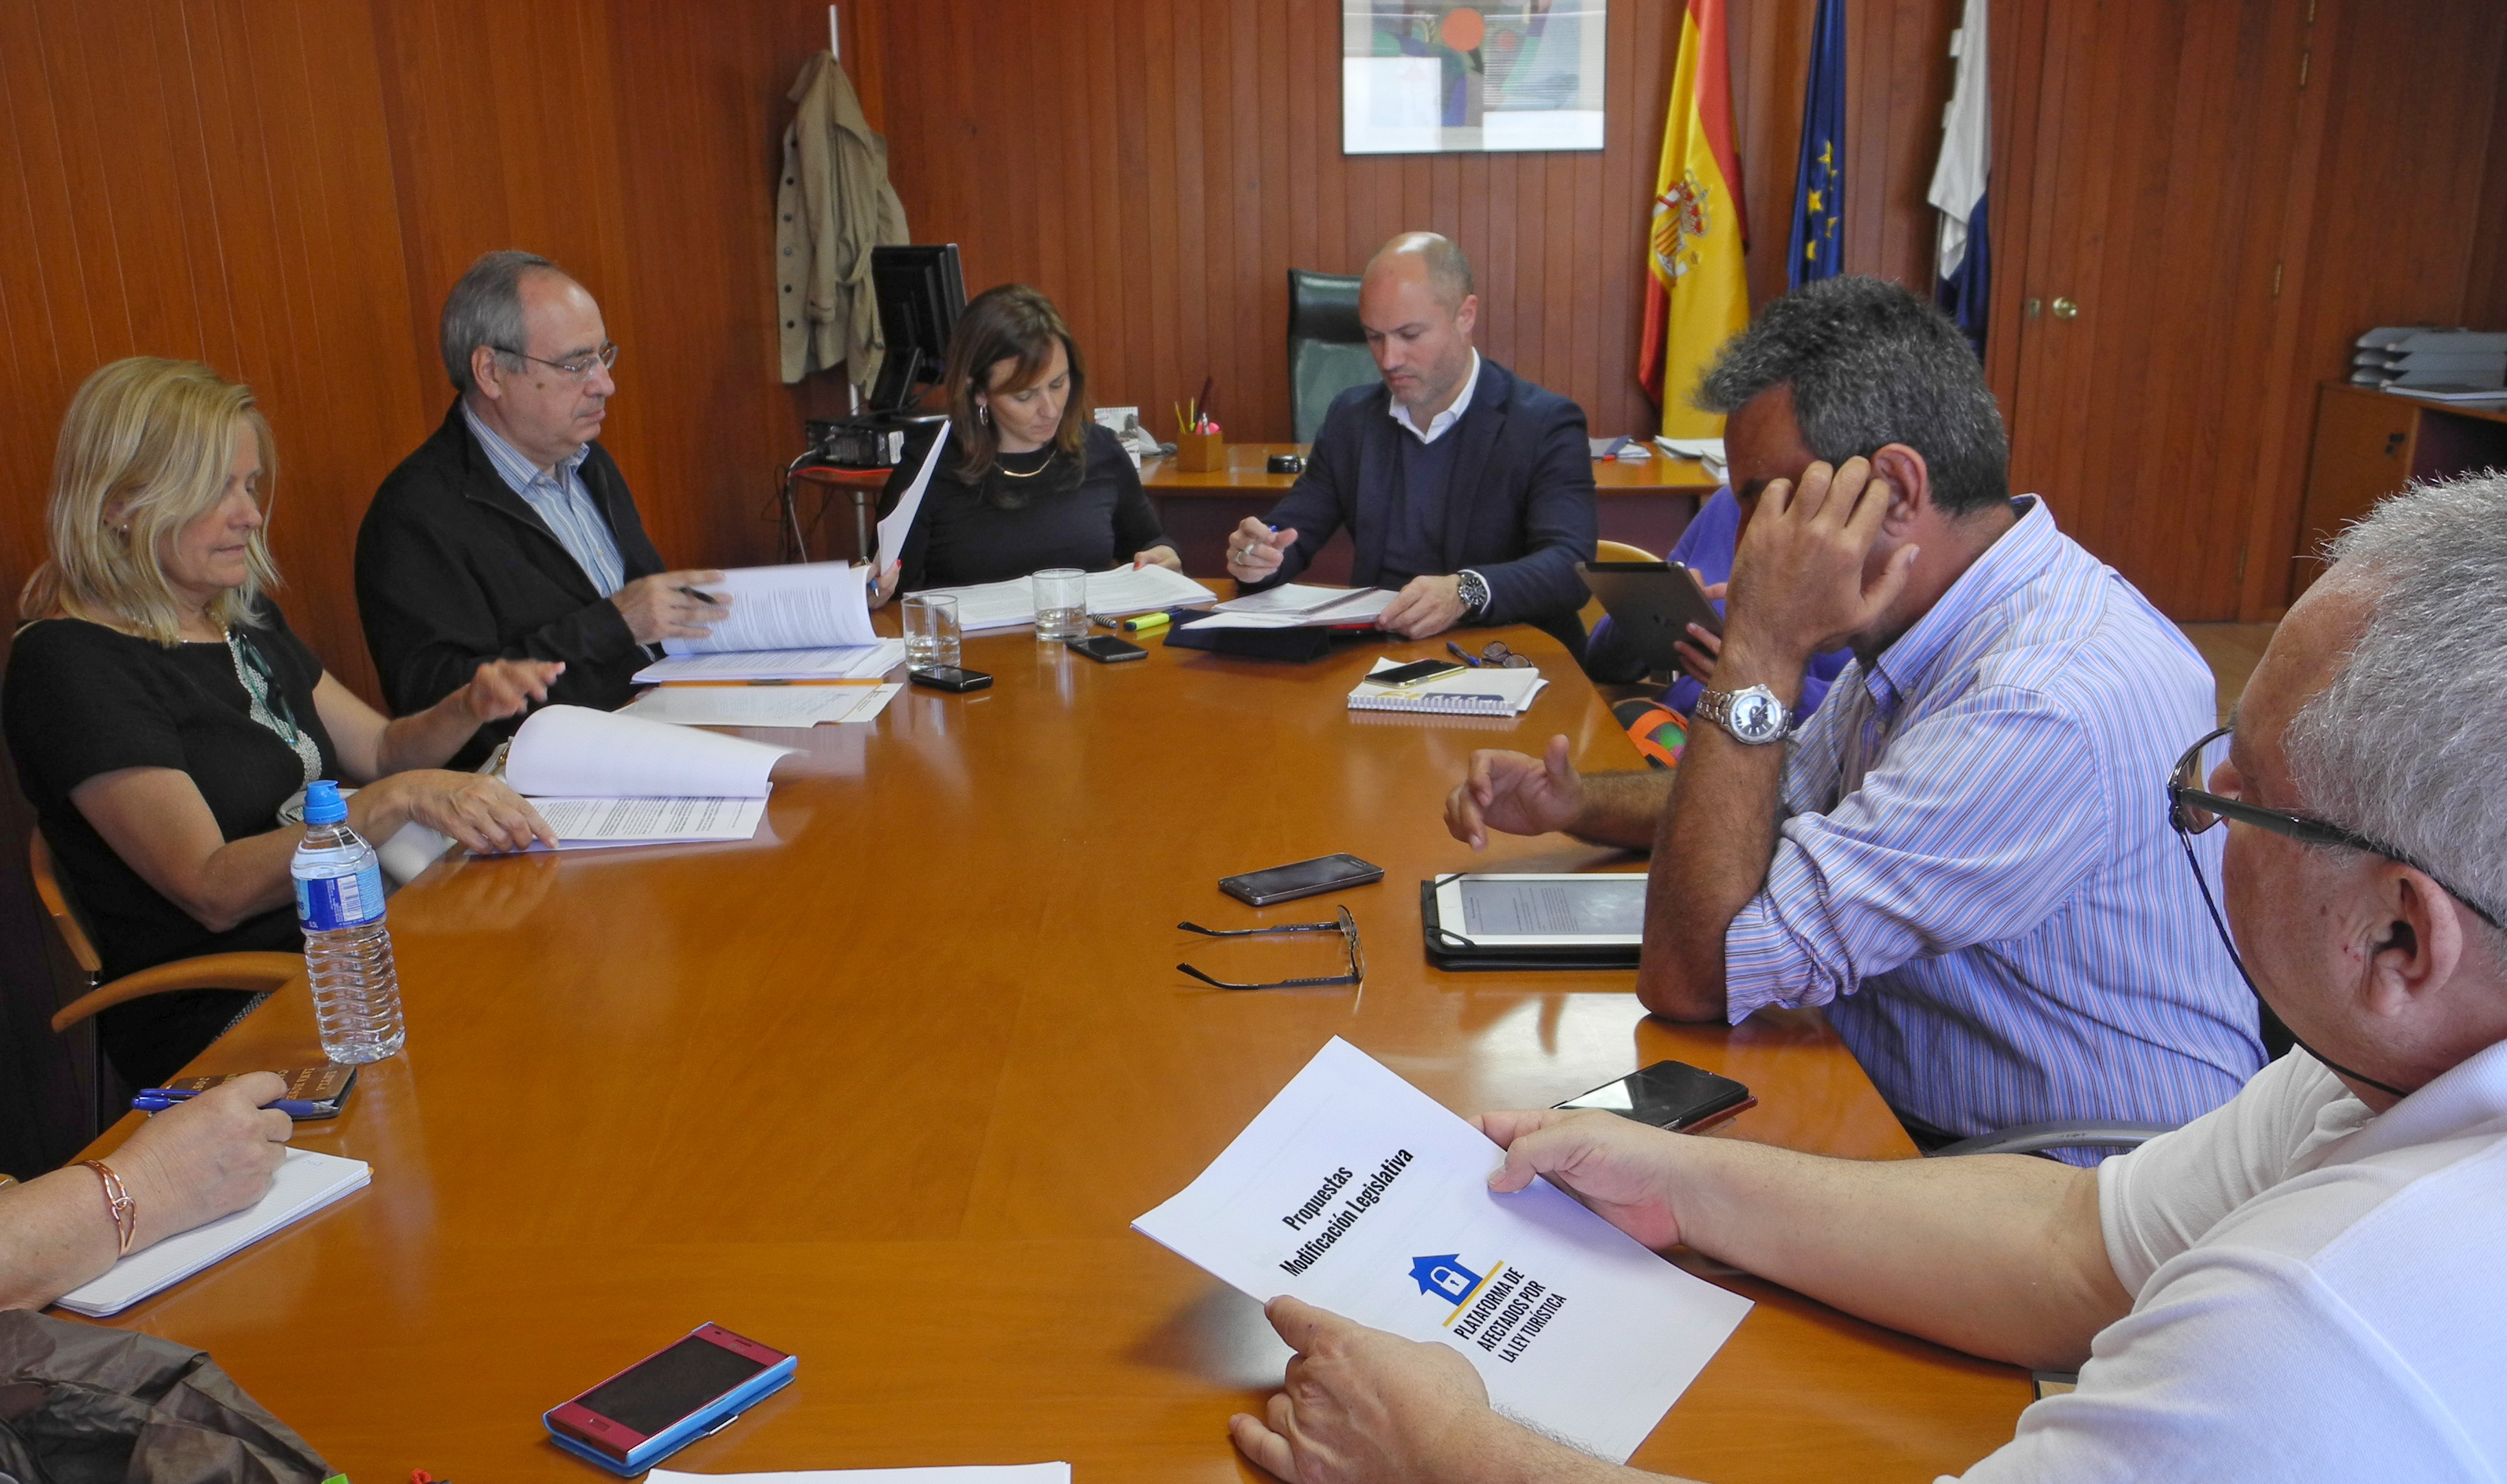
1060,604
931,633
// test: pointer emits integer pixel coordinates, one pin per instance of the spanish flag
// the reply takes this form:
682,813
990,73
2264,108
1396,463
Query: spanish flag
1698,294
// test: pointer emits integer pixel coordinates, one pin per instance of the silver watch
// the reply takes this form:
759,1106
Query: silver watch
1472,589
1754,716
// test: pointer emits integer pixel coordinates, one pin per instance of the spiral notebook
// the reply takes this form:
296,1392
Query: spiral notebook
1483,691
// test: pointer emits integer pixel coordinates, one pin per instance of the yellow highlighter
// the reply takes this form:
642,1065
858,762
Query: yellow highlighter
1147,623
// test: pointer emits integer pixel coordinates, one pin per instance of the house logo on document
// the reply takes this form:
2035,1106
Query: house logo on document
1443,1278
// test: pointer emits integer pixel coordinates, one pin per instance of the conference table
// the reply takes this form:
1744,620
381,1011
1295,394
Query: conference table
885,1087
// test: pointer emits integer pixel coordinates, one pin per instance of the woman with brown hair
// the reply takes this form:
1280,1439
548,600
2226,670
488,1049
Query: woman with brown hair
161,713
1034,483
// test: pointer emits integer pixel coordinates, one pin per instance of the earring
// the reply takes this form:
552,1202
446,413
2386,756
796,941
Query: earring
984,414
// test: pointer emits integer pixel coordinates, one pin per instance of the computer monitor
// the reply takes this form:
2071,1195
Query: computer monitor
919,294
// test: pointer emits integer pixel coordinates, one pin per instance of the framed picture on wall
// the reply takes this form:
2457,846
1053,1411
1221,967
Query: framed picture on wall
1423,76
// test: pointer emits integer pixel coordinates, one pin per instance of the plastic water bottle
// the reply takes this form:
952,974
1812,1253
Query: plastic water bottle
348,949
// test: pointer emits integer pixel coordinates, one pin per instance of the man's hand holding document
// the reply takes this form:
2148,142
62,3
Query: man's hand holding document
807,606
601,779
1357,1195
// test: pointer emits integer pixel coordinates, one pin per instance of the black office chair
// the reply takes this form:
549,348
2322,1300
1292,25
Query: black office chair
1327,352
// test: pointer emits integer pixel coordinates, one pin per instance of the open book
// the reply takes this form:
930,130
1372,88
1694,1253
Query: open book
809,605
603,779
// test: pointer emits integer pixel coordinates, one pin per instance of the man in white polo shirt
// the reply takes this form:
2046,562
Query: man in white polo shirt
2309,1281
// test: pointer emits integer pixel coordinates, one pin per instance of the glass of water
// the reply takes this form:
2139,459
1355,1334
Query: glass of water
1060,604
931,633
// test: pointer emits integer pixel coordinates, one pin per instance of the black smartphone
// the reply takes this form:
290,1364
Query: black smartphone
1105,649
949,677
1412,673
1306,878
1669,1095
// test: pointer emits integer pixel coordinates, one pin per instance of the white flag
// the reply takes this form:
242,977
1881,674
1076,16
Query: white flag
1967,138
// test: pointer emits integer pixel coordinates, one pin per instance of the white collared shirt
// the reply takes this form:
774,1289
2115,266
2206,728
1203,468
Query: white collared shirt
1452,415
561,500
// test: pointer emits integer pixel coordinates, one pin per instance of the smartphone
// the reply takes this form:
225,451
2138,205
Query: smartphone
1669,1095
949,677
1412,673
1105,649
1306,878
688,1389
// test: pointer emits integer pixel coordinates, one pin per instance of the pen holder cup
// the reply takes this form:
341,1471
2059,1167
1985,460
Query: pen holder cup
1201,452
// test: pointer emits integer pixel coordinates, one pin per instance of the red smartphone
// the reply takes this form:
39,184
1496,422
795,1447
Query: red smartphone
689,1389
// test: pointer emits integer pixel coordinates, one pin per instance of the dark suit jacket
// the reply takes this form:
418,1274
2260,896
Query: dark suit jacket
454,568
1520,509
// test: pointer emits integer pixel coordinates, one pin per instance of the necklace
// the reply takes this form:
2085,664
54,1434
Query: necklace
1002,464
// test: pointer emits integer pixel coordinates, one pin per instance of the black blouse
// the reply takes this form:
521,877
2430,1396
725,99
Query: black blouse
1090,523
81,699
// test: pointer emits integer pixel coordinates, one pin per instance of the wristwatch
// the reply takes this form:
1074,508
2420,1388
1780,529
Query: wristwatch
1472,589
1754,716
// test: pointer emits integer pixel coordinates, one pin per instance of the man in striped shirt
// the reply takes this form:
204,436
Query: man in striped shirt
1964,855
510,532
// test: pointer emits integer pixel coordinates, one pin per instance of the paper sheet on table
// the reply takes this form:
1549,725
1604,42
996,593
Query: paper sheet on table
1692,447
808,606
759,705
893,525
986,1473
852,662
304,1183
1297,603
572,752
1124,589
584,824
1356,1192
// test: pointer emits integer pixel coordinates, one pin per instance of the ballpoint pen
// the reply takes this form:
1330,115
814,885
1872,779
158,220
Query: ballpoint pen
157,1099
703,597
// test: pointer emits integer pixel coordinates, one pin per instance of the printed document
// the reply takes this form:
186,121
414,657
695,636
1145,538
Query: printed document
1358,1193
853,662
893,525
988,1473
759,705
1297,606
1124,589
304,1183
574,753
809,605
581,823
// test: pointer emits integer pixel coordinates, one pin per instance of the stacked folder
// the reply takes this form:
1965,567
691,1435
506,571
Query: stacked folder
2423,362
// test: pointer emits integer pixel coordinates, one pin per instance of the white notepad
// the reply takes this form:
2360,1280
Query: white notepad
1361,1194
305,1184
1485,692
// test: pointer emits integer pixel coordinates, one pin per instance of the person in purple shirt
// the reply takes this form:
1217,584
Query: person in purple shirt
1964,858
1706,549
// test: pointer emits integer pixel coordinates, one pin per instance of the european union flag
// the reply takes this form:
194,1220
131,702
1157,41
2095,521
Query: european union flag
1819,178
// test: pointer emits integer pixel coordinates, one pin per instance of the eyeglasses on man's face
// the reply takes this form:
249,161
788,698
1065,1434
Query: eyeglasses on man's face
1346,925
2192,808
579,367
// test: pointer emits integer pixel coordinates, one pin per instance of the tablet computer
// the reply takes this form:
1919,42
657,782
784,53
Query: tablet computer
1600,910
1651,605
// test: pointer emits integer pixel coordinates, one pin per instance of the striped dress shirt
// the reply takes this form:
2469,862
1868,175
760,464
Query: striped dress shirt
562,502
1975,871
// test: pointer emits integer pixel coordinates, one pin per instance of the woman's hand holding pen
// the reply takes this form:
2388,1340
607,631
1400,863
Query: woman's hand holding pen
885,587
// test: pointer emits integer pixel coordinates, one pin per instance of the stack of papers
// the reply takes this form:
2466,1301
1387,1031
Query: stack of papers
810,606
1358,1193
1124,589
1296,605
304,1183
760,705
1483,691
993,1474
853,662
603,779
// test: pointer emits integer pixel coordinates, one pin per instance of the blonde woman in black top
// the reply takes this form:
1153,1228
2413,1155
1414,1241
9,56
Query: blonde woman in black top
160,710
1031,482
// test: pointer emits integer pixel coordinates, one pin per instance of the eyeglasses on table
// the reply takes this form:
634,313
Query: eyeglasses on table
1495,655
1346,925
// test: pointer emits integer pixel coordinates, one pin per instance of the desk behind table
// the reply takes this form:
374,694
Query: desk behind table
886,1087
1645,503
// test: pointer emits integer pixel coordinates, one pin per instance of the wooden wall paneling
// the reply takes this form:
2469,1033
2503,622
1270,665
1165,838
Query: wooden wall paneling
2484,295
2019,46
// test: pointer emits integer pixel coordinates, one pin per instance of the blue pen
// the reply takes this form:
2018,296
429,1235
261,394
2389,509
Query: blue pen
157,1099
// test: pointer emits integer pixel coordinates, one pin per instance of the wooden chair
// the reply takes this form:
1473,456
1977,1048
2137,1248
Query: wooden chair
256,972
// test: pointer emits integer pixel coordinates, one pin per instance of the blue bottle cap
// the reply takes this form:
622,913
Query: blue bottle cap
323,804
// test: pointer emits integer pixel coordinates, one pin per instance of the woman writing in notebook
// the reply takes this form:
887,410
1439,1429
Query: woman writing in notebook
1031,482
161,713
